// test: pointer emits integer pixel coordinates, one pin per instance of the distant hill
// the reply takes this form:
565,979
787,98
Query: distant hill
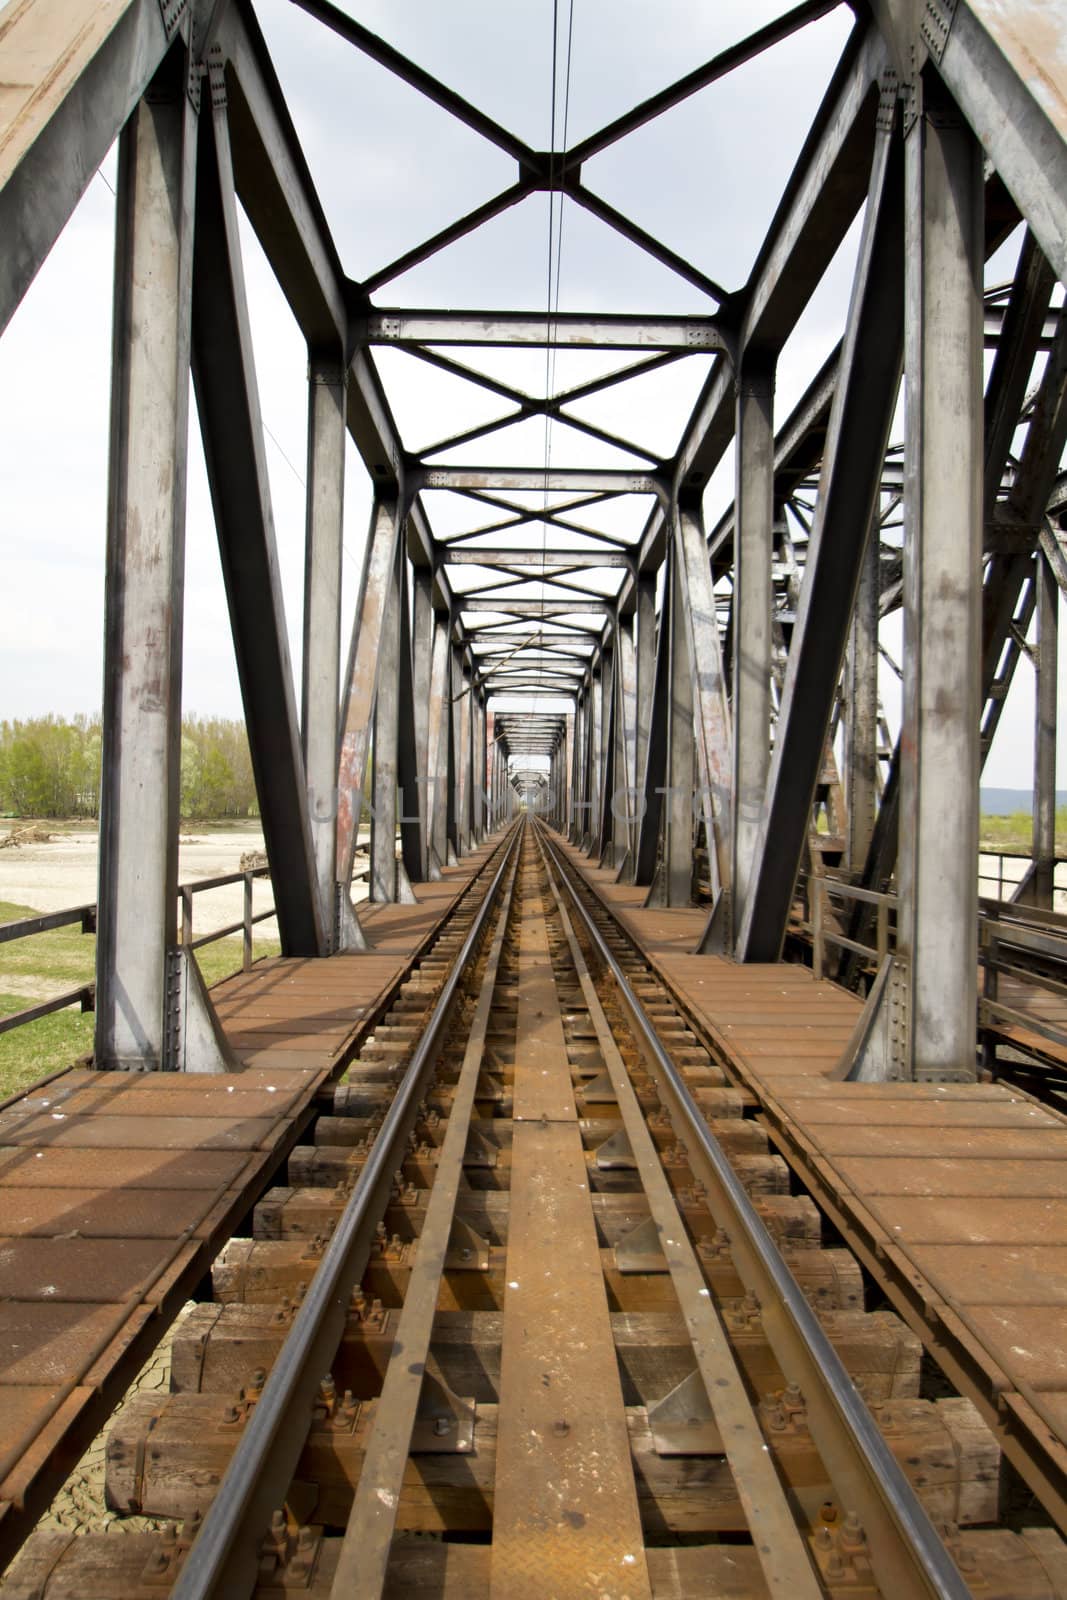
1004,802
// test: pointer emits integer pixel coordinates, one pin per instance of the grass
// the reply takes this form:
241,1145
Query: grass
62,959
1015,832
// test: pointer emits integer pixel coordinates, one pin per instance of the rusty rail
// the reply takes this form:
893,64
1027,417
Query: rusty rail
907,1555
224,1559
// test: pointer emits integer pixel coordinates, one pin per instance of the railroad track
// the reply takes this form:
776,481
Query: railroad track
535,1315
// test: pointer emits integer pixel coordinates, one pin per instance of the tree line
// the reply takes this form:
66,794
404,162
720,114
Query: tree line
50,767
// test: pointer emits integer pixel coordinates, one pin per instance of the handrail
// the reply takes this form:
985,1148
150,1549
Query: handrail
998,878
821,889
85,994
1047,942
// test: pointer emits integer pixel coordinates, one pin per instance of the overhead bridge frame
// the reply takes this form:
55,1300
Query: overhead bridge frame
683,686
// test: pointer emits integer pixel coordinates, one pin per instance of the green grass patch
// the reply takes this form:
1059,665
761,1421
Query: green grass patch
1014,833
224,958
64,958
30,1053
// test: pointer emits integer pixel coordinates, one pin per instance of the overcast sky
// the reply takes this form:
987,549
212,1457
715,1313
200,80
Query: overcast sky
392,169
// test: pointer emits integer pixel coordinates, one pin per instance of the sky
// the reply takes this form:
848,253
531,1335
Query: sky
391,169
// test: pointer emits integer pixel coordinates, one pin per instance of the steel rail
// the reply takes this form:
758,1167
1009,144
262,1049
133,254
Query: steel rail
780,1545
908,1557
363,1563
223,1562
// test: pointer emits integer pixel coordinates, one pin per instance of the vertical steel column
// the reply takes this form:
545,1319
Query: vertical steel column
422,641
577,791
603,822
674,882
625,796
227,399
938,921
478,755
597,691
440,717
645,669
463,756
383,877
361,681
566,773
501,773
753,546
453,709
861,720
1044,841
140,791
653,782
713,747
322,613
410,797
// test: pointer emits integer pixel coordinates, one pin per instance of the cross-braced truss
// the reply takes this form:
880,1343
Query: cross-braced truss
677,697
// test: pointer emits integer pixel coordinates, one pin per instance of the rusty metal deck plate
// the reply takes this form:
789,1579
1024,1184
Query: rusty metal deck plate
565,1520
115,1190
916,1177
543,1086
122,1169
961,1195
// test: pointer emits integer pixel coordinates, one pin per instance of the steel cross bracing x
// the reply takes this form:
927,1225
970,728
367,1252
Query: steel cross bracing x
667,661
571,636
607,623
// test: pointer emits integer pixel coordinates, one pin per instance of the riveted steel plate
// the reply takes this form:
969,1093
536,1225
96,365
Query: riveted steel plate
566,1520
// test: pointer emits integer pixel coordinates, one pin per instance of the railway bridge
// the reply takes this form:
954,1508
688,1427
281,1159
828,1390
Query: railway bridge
643,1171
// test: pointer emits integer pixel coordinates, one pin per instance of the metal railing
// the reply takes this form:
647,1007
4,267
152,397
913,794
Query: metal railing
1035,955
999,880
84,995
822,892
186,892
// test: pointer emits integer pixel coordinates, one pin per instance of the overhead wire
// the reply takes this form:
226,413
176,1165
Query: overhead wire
557,151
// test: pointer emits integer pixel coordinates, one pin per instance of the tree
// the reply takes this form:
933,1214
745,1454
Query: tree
51,768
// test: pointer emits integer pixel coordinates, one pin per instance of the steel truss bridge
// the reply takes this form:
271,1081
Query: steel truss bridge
587,1003
695,661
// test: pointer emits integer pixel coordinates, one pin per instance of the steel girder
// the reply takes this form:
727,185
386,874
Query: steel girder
425,671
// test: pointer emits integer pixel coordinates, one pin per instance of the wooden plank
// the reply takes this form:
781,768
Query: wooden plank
1006,1144
542,1086
566,1519
987,1179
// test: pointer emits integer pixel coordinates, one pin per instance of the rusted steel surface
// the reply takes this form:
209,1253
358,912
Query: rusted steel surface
658,929
111,1211
566,1519
405,928
717,1380
117,1190
901,1168
553,1329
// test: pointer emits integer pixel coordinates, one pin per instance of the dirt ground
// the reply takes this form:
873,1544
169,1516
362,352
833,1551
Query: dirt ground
80,1507
63,873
